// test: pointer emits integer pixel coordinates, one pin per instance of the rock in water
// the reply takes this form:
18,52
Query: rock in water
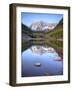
37,64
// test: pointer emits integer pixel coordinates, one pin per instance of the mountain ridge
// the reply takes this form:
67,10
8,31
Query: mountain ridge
42,26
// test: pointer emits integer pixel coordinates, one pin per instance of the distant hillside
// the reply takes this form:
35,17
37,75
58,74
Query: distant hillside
26,29
60,24
61,21
58,31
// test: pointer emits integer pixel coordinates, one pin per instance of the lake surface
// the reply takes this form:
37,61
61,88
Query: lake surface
41,60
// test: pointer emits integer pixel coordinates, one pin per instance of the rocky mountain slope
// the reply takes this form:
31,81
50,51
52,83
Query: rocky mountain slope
42,30
42,26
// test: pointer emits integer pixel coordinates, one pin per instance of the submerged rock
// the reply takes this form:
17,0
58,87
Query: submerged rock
47,74
37,64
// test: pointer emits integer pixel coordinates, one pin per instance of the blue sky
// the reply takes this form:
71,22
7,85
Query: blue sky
29,18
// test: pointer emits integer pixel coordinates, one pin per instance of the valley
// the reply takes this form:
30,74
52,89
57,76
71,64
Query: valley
54,37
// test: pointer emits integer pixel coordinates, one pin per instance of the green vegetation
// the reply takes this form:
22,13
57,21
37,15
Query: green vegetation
53,38
57,33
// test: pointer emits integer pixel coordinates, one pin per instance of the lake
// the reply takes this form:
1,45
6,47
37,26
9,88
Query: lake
41,60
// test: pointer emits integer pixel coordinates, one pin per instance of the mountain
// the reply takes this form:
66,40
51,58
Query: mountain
58,31
41,30
26,29
27,33
59,25
42,26
61,21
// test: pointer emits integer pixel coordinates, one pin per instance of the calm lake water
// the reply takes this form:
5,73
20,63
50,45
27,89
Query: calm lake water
41,60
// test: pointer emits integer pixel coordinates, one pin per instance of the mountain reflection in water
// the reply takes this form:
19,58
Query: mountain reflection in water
42,49
40,60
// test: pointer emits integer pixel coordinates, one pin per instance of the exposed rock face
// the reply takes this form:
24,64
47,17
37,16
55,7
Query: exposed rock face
42,26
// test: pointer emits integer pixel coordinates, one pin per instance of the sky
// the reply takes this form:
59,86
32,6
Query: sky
29,18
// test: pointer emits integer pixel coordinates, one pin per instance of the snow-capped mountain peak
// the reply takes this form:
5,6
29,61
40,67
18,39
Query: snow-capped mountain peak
42,26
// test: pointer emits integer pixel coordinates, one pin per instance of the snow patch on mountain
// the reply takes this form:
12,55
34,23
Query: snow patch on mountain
42,26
